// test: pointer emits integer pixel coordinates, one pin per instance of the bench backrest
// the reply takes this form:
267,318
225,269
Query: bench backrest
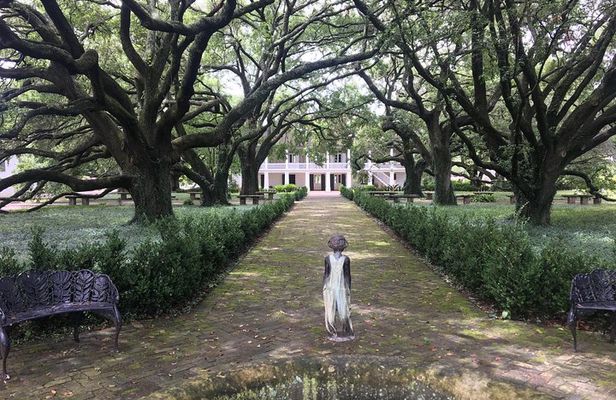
599,285
33,289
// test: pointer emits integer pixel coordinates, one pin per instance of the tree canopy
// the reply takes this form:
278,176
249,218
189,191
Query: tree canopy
131,94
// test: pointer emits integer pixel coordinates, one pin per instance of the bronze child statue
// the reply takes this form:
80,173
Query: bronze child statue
337,291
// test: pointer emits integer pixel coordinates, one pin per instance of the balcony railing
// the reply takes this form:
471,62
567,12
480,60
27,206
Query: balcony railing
303,166
383,167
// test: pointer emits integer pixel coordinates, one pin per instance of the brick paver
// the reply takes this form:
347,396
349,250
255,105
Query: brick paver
269,309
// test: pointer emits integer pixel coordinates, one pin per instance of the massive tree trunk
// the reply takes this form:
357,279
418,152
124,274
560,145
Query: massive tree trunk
441,164
149,166
414,172
537,207
250,168
534,198
151,192
218,192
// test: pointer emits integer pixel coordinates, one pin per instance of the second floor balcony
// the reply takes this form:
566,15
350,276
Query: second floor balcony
333,162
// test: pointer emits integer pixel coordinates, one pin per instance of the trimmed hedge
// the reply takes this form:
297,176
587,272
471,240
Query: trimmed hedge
494,260
160,275
288,188
346,192
300,193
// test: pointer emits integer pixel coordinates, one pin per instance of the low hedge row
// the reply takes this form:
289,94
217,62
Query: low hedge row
300,193
165,273
494,260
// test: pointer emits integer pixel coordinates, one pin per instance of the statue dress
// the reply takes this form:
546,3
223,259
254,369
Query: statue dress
337,297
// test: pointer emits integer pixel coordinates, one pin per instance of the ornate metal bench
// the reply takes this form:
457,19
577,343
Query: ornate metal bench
592,292
35,294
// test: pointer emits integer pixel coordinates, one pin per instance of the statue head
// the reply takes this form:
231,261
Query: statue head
337,243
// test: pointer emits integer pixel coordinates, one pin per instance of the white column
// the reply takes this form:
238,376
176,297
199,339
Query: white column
327,182
307,173
369,167
327,161
391,178
349,173
266,180
266,163
286,167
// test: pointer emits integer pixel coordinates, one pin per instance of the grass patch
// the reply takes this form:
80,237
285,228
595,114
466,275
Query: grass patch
588,229
70,227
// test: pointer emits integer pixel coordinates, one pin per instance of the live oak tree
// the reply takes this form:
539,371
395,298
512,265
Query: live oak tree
409,91
264,47
129,111
555,65
550,65
129,106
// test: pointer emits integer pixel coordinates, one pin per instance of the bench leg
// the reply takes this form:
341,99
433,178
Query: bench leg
613,330
242,201
77,318
5,347
572,322
117,320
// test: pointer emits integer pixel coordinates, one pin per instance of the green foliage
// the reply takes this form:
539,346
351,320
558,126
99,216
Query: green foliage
9,265
346,192
164,272
458,185
286,188
484,198
43,256
427,183
462,186
301,193
495,260
366,188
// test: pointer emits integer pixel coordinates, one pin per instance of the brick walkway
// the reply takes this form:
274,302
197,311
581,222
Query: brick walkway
270,309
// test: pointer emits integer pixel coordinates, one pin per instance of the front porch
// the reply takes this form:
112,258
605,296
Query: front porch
314,181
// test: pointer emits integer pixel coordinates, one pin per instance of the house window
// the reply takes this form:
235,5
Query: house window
338,157
292,179
291,158
395,176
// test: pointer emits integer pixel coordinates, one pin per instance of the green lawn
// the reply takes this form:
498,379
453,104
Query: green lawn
71,226
591,228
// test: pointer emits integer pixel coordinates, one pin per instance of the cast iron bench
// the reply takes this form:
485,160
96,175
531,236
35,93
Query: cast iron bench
595,291
36,294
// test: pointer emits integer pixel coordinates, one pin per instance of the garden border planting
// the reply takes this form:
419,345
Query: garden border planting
495,261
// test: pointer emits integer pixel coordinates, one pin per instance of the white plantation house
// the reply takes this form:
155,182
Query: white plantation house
7,168
299,170
334,172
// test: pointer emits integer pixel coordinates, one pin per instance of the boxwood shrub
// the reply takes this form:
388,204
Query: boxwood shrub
495,260
162,274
